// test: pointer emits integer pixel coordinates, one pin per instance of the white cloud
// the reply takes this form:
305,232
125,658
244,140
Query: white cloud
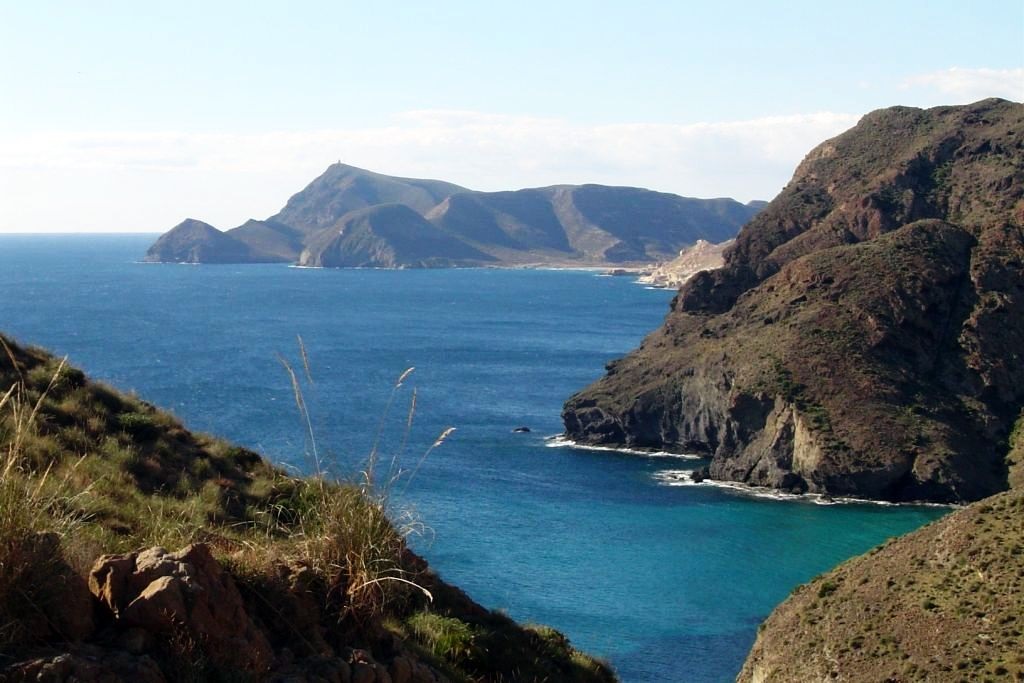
970,85
76,181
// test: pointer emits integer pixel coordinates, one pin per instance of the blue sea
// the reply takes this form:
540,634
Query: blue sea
668,582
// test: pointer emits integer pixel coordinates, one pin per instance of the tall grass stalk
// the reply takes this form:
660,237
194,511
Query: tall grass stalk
32,505
371,460
300,402
347,531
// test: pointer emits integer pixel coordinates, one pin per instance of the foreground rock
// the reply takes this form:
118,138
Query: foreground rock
182,616
940,604
185,594
86,665
861,338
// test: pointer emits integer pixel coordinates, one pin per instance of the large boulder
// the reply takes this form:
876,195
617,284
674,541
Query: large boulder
187,593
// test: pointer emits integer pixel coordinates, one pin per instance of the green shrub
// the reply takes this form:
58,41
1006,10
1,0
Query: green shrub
449,639
827,588
138,425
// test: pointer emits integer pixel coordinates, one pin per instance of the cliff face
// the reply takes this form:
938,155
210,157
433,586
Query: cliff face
940,604
859,339
586,225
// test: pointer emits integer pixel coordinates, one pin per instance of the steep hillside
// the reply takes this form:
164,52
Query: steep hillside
515,221
564,225
276,242
387,236
342,189
655,225
587,223
861,336
940,604
134,550
193,241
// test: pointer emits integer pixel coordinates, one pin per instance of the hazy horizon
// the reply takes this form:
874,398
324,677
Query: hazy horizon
118,122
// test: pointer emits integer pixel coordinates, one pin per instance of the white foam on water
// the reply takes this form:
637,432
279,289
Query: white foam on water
560,441
685,478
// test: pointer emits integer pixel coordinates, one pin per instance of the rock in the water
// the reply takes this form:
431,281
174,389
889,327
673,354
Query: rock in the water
521,430
193,241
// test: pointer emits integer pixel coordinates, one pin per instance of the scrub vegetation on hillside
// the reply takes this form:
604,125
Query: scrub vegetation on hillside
324,578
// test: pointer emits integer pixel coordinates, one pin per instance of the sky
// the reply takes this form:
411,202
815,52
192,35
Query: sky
125,117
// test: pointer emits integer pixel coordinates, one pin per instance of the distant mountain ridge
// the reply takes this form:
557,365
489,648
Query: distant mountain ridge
338,220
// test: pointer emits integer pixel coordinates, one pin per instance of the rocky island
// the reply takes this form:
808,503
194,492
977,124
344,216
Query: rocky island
863,335
350,217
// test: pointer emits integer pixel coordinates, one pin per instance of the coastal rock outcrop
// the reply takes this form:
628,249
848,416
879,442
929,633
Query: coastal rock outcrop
284,579
859,339
674,273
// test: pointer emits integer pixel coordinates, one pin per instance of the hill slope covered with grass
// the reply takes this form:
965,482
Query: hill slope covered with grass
940,604
133,549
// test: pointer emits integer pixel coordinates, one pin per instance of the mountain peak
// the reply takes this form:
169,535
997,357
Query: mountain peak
578,224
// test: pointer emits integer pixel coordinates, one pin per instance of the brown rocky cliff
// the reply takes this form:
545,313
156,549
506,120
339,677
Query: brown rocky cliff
860,338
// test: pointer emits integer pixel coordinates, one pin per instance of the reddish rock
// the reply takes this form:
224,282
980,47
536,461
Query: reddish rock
188,591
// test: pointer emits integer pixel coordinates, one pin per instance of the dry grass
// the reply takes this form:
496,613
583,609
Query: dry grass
121,475
36,513
348,532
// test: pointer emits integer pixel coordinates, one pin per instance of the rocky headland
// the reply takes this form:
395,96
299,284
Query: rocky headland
862,336
350,217
673,274
134,550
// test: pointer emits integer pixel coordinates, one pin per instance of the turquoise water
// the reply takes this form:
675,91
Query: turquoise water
667,582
